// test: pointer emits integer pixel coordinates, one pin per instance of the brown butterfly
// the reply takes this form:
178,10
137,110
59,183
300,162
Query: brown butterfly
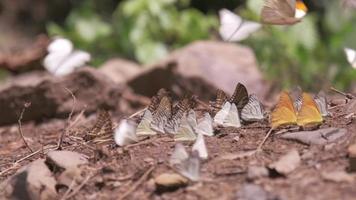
156,99
220,100
162,114
240,97
102,130
283,12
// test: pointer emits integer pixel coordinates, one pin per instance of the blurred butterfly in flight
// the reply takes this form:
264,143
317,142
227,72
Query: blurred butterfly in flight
283,12
351,56
234,28
62,58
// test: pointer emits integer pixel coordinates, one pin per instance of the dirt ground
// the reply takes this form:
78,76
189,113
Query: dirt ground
116,172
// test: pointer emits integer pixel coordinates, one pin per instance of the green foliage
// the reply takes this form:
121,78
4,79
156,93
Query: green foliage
309,53
143,30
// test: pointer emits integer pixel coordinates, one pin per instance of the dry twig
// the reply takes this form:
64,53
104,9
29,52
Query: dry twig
347,95
26,105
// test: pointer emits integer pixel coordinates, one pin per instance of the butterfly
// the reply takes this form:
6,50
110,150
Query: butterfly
179,110
321,102
253,110
125,133
239,97
162,114
221,98
200,147
102,129
205,126
185,131
192,118
309,113
283,12
351,56
156,99
187,165
62,58
228,116
144,127
234,28
285,113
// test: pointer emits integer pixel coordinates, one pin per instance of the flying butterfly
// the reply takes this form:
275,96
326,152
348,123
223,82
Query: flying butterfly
162,114
125,133
284,112
144,127
239,97
187,165
309,113
205,126
283,12
253,110
102,129
234,28
351,56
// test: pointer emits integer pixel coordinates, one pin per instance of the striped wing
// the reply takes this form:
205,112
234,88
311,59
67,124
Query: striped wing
162,114
253,111
240,96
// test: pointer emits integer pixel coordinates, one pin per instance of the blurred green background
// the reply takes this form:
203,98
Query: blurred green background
309,54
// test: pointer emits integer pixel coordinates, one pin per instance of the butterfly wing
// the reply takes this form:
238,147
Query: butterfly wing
205,126
309,113
253,111
221,98
185,131
322,103
284,113
239,97
279,12
222,114
200,147
162,114
351,56
232,119
125,133
192,118
144,127
74,60
179,155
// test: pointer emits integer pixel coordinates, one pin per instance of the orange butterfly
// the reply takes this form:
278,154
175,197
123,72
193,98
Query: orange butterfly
285,114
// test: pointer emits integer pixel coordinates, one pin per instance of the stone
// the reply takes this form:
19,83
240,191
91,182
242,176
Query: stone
317,137
287,163
120,70
170,181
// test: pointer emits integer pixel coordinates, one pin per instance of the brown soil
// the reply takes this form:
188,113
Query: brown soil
116,170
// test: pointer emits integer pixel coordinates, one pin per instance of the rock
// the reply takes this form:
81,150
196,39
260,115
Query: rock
255,172
351,151
253,192
120,70
338,176
34,181
203,66
287,163
66,159
170,181
318,137
49,98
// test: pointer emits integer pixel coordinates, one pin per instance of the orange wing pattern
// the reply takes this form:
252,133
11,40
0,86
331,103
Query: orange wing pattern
284,113
309,113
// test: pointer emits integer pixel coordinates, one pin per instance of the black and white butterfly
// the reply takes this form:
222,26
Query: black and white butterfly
253,110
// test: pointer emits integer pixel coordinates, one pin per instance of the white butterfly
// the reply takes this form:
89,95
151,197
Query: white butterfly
144,127
205,126
62,59
228,116
187,165
185,131
351,56
192,118
200,147
321,102
253,110
234,28
125,133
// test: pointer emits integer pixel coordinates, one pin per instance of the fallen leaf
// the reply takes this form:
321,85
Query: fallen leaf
287,163
319,137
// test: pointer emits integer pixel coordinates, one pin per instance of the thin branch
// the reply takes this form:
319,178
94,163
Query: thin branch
26,105
347,95
264,140
79,187
138,183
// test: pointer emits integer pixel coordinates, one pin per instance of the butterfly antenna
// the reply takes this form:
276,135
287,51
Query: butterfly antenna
235,31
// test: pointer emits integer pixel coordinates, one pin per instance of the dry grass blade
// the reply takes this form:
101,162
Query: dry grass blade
26,105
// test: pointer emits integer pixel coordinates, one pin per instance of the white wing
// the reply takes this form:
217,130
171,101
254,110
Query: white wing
185,131
253,110
222,114
125,133
321,102
232,119
179,155
351,56
200,147
74,60
234,28
144,127
205,126
192,118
